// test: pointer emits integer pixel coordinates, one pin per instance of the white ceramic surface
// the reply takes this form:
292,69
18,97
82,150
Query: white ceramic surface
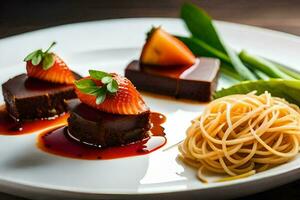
109,45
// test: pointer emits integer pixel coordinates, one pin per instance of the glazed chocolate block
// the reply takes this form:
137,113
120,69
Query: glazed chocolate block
29,98
97,128
197,82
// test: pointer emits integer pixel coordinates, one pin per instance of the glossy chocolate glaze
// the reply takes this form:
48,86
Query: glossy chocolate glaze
102,129
22,86
29,98
195,82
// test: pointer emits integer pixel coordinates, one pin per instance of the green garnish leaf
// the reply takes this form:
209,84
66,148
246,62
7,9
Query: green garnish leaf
98,75
39,56
100,99
31,55
106,79
287,89
90,90
101,95
85,83
48,61
36,59
88,86
112,87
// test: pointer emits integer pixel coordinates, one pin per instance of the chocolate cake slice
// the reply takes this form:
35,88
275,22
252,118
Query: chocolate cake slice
97,128
196,82
29,98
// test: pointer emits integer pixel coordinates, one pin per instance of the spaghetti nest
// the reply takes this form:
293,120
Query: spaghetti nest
240,135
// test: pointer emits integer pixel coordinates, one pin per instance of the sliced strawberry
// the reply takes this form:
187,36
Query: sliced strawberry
126,101
57,73
164,49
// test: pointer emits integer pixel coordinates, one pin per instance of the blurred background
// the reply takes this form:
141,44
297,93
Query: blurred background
27,15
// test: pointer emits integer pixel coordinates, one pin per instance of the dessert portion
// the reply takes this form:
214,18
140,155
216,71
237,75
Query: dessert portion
108,120
168,67
197,82
111,111
30,98
99,128
42,91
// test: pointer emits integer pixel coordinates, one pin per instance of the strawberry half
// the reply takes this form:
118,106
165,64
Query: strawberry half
126,100
48,67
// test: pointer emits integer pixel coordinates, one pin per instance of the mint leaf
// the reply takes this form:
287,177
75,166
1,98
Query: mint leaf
31,55
112,87
101,95
98,75
93,90
85,83
106,79
100,99
88,86
39,56
48,61
37,59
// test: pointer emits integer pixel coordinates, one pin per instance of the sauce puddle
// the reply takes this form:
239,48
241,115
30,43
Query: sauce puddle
8,126
59,142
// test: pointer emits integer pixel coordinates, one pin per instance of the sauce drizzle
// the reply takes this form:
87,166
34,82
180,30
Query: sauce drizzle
59,142
8,126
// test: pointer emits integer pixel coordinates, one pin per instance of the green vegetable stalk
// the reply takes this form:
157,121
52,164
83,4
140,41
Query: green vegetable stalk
230,72
289,72
263,65
205,41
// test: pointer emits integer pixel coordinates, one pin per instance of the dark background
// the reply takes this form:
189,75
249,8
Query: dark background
21,16
27,15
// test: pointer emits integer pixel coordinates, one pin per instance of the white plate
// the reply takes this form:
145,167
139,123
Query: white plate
109,45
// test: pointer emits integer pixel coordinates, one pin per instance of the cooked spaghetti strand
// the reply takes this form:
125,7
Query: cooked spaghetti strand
240,135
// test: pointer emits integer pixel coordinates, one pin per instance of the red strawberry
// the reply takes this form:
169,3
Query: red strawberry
126,100
58,73
48,66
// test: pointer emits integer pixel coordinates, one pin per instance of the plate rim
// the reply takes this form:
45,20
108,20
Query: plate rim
114,20
49,187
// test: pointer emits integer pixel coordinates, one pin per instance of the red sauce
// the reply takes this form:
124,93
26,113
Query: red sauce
59,143
8,126
157,119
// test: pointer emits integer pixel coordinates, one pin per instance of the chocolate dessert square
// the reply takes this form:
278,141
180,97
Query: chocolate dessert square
29,98
91,126
196,82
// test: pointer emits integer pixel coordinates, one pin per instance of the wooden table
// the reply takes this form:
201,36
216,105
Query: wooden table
283,15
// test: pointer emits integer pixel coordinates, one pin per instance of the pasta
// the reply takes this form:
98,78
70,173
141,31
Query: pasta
240,135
